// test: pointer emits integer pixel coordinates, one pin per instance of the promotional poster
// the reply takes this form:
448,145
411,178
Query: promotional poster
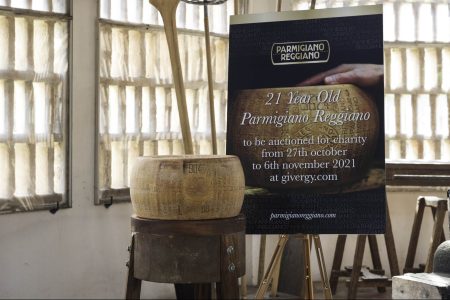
305,117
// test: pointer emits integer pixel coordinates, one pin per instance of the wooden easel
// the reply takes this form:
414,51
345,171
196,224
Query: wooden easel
274,266
272,273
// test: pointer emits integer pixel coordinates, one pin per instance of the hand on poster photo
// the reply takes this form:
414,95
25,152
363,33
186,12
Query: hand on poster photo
362,75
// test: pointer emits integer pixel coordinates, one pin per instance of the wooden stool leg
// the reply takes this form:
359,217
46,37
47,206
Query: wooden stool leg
376,260
433,211
184,291
133,289
412,247
435,238
228,287
443,239
337,262
390,246
356,269
202,291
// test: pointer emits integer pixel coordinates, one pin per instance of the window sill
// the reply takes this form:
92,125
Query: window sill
416,174
415,189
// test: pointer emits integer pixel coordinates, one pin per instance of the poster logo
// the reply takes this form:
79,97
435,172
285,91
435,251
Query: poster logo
306,52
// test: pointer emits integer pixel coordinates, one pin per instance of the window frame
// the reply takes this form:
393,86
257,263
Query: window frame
406,174
398,173
51,202
401,174
418,174
109,196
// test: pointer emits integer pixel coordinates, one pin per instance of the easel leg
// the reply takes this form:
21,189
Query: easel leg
309,292
439,216
414,238
275,279
376,260
244,286
337,262
357,263
133,289
264,285
274,268
262,255
322,268
390,245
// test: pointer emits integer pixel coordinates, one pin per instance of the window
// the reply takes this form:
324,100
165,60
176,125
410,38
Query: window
417,88
137,110
34,55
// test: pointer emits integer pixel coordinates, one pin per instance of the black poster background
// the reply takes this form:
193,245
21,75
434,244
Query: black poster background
352,39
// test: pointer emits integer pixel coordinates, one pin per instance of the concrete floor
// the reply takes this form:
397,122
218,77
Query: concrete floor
363,292
341,293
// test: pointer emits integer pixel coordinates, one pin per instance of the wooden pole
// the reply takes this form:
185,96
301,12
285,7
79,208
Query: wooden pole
210,81
279,3
167,9
322,268
309,292
262,256
268,277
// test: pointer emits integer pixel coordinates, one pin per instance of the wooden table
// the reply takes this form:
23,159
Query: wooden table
191,254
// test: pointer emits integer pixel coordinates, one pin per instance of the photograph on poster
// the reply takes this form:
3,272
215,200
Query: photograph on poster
305,116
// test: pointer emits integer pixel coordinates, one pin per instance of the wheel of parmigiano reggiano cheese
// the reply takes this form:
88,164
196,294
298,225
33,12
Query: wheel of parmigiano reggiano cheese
187,187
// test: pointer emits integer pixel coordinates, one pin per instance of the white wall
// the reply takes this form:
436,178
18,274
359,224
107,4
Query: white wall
81,252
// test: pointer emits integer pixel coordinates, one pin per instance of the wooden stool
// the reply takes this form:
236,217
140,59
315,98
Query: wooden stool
438,209
190,254
363,276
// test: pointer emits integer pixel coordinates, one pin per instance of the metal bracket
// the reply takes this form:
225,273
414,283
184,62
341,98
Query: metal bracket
54,209
107,205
